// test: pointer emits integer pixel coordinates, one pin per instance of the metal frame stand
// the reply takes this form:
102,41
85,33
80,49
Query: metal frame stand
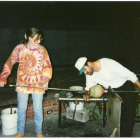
104,100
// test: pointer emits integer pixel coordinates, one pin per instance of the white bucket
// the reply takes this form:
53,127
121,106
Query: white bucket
9,121
80,106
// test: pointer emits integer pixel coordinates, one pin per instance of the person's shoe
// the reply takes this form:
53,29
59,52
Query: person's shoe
19,135
39,135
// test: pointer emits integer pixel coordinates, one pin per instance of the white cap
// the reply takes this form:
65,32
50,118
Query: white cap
80,63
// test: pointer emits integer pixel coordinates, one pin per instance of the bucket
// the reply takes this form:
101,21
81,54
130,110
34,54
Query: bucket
9,121
80,106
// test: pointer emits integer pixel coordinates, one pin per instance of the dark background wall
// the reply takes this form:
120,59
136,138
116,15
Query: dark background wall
75,29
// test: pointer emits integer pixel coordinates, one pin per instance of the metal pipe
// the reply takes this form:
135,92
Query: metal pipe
104,91
81,99
47,88
124,91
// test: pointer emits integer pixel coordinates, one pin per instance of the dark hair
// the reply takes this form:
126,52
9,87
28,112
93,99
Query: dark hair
90,59
31,32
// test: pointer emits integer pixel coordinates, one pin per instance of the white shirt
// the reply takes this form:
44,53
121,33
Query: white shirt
111,74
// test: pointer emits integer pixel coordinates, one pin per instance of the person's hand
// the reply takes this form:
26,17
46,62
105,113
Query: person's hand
2,84
86,97
45,86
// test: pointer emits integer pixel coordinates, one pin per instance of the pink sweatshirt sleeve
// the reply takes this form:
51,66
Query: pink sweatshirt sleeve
9,65
47,68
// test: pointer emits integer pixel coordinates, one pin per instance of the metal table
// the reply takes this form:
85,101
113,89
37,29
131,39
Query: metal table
79,97
113,113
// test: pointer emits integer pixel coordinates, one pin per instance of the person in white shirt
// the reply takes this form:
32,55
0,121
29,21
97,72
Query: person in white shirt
107,72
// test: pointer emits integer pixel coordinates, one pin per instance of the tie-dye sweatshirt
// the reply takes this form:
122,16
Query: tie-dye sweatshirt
34,68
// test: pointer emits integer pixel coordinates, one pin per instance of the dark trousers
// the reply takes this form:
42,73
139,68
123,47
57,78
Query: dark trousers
128,109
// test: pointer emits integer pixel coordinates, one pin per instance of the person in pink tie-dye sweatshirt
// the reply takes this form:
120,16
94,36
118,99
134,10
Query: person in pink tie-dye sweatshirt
34,70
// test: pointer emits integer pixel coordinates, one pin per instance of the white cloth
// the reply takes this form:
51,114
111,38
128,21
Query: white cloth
111,74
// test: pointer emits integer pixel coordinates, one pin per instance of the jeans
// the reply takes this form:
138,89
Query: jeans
38,112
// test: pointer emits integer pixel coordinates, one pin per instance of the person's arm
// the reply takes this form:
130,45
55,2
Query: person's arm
8,66
89,84
47,70
117,68
86,96
137,83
